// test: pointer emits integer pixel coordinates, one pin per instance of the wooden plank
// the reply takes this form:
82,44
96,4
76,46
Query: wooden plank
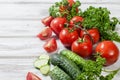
23,47
53,1
21,28
17,69
16,11
37,11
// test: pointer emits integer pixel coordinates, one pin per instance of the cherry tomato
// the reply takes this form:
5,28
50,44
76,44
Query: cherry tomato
62,8
94,33
67,36
47,20
71,2
31,76
76,19
109,51
57,24
45,34
83,47
65,9
51,45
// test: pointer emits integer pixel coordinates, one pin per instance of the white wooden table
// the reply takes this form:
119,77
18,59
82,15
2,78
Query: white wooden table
19,25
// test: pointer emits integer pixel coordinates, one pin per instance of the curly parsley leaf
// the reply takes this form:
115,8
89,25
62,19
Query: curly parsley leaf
100,18
92,69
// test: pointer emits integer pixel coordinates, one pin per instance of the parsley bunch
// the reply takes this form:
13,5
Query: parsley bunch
100,18
92,70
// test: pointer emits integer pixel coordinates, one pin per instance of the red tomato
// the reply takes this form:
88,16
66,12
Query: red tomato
51,45
82,32
68,36
94,33
71,2
65,9
76,19
62,8
82,47
57,24
47,20
45,34
109,51
31,76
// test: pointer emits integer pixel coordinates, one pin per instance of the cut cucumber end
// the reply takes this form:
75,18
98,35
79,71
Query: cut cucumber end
44,56
40,62
45,69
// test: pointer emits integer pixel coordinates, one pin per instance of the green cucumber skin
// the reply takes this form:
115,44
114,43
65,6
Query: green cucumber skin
67,65
79,61
58,74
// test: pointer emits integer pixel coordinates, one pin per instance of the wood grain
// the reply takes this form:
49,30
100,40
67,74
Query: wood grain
38,11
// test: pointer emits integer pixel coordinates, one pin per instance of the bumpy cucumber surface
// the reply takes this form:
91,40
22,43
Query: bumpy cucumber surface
67,65
58,74
79,61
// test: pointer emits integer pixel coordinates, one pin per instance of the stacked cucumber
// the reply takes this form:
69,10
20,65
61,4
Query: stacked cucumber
42,63
69,66
66,64
64,68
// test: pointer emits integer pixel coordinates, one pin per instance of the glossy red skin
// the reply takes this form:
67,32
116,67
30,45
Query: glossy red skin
83,49
94,34
71,2
47,20
109,51
45,34
67,38
76,19
57,24
31,76
51,45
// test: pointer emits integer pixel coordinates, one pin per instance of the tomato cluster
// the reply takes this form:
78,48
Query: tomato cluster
79,40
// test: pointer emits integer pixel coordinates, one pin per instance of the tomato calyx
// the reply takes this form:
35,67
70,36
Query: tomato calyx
80,40
87,37
77,26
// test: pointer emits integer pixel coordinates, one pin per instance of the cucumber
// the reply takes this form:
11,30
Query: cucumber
79,61
44,56
58,74
40,62
67,65
45,69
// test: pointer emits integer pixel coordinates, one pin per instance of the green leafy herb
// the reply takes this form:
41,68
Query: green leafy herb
110,76
100,18
62,9
90,70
